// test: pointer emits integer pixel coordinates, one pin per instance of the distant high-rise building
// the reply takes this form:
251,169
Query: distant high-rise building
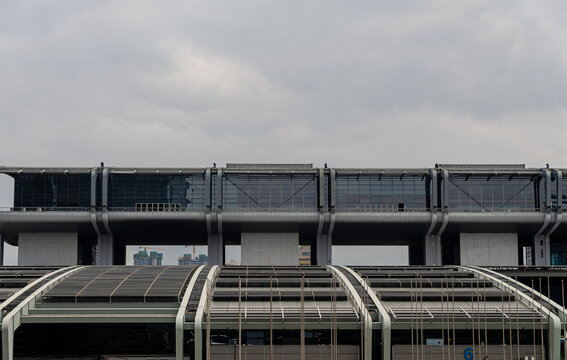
187,259
233,262
143,258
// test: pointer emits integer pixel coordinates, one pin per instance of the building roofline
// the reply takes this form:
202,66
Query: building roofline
471,170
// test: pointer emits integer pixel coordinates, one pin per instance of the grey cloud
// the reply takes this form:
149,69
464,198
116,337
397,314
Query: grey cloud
189,83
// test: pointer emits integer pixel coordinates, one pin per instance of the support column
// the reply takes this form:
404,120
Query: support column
541,246
215,248
324,248
1,250
324,239
213,218
105,250
433,250
542,256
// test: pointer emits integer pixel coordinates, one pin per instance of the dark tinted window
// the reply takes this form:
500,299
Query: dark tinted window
381,193
185,191
52,191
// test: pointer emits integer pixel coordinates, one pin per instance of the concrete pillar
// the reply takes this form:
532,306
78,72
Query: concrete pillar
1,250
265,249
215,249
432,253
48,249
489,249
105,250
541,250
324,249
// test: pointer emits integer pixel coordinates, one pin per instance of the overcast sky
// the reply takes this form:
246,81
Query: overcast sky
351,84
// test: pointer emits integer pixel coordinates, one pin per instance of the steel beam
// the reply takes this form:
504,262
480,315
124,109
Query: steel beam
180,318
199,314
553,321
21,291
13,319
384,317
359,305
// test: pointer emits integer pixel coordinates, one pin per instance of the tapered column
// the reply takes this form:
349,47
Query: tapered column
105,250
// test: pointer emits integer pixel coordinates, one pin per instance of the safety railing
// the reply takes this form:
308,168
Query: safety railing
39,209
176,207
492,208
392,207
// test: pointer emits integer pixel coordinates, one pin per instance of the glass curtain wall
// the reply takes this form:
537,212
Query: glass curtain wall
381,193
269,192
558,253
492,193
52,191
153,192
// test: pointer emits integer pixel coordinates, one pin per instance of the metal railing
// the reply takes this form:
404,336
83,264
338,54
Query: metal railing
491,209
177,207
394,207
39,209
152,207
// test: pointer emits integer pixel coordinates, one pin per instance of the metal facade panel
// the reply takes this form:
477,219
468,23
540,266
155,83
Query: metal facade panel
489,249
48,249
122,284
270,249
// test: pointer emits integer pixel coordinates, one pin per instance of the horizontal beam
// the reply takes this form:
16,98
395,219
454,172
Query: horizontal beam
279,325
98,319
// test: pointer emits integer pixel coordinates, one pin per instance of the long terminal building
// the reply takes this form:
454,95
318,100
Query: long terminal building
487,215
484,280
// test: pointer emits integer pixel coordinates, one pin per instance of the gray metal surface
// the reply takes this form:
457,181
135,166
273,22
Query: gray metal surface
122,284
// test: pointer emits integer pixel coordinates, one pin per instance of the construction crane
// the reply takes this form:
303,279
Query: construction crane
147,247
194,251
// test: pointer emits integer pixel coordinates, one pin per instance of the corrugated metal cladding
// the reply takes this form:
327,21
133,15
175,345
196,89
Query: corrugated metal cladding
481,166
269,166
277,249
483,249
37,249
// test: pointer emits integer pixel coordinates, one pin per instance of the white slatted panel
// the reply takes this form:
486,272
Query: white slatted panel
35,249
489,249
275,249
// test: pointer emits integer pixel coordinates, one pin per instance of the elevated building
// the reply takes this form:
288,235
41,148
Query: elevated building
489,215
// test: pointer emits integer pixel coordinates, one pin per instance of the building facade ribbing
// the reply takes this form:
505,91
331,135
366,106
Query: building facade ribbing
427,209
